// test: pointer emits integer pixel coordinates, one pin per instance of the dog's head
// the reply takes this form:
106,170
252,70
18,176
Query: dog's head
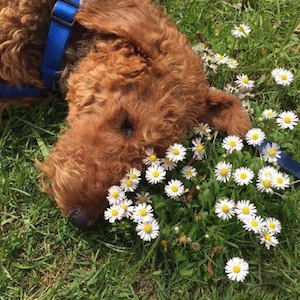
141,86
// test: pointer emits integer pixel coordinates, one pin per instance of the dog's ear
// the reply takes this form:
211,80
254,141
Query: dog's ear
137,21
225,113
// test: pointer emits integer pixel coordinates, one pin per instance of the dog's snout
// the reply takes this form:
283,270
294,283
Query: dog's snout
79,219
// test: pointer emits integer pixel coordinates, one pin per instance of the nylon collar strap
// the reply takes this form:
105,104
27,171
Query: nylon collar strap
62,22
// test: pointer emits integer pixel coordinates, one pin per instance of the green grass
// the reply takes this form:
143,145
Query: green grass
43,257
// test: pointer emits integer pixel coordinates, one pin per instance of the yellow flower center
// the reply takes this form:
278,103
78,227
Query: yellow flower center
133,176
254,223
114,212
223,171
267,236
155,173
243,175
202,128
240,29
182,239
143,212
232,143
287,119
269,114
128,182
221,57
272,225
284,77
175,151
225,209
148,228
188,173
152,157
142,199
279,180
174,188
236,269
124,207
200,148
245,80
245,210
115,194
255,136
267,183
272,152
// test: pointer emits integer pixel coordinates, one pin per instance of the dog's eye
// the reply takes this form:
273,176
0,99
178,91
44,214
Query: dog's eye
127,127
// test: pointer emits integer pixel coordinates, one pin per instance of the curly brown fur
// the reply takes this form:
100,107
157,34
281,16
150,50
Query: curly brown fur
138,69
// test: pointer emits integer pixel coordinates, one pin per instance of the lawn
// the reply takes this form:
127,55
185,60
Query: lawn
42,256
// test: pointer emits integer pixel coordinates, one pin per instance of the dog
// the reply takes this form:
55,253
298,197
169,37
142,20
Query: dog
131,80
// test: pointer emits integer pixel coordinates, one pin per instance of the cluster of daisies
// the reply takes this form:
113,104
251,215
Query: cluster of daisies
237,268
141,212
268,177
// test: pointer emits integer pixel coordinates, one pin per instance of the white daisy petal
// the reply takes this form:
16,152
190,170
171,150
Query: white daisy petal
269,114
254,223
232,143
155,174
115,195
188,172
237,269
142,212
287,120
245,209
255,137
198,149
174,188
223,171
148,230
282,76
271,153
225,209
113,213
240,31
243,176
273,225
151,157
268,238
143,197
176,153
280,181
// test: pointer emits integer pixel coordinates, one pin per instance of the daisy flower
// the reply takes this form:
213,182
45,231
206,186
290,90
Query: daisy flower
174,188
221,59
134,174
188,172
232,63
143,197
176,152
198,149
202,129
115,195
168,164
287,120
243,176
243,82
223,171
254,223
244,209
237,269
148,230
255,137
155,174
264,184
282,76
224,209
126,206
151,157
240,31
128,184
280,181
268,239
113,213
266,173
271,153
142,213
269,114
273,225
232,143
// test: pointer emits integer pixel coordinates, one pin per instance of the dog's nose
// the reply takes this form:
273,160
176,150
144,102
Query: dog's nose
79,219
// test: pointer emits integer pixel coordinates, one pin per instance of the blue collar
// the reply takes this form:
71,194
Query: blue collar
62,22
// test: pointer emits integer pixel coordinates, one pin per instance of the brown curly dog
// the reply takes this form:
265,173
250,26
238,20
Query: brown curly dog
131,80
